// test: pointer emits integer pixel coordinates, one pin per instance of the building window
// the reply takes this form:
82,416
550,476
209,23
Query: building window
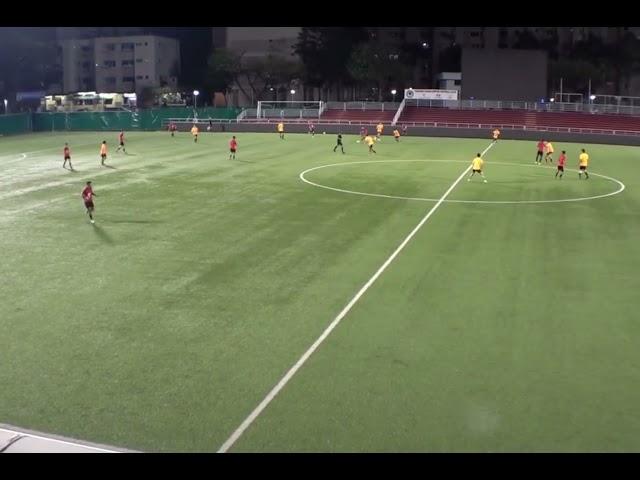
109,63
128,79
475,34
110,80
146,77
85,48
139,77
138,60
126,46
138,44
145,44
110,47
457,82
127,63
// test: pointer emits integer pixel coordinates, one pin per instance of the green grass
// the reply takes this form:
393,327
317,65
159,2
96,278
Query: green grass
500,327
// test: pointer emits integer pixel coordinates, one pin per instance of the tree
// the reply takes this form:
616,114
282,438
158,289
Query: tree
26,61
613,62
576,73
253,76
380,66
325,53
223,68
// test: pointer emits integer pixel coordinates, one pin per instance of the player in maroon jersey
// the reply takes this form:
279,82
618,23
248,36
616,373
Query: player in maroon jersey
561,161
121,142
67,157
87,197
541,145
233,147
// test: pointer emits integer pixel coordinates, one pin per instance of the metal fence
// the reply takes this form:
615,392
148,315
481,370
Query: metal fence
594,108
376,106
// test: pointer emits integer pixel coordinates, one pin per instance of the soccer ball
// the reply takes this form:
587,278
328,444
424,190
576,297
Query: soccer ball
208,129
324,133
357,141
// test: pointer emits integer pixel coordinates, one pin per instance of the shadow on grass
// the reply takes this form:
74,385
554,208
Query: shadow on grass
131,221
103,235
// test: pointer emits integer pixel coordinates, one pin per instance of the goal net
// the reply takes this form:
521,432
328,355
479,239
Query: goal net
289,109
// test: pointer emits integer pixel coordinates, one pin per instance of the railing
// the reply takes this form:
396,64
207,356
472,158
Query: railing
396,117
529,106
377,106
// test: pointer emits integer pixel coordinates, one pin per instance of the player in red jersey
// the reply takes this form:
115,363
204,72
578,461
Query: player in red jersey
172,128
312,129
87,197
121,142
541,146
233,146
561,161
67,157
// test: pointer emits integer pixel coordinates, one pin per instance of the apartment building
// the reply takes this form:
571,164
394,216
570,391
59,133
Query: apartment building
120,64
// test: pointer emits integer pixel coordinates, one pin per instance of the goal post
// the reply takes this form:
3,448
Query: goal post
289,109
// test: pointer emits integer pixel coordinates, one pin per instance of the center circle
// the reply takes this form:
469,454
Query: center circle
302,176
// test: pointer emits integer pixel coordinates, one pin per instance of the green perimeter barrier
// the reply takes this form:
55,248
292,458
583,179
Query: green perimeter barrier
124,120
13,124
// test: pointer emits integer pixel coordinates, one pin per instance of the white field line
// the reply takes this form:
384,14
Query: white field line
305,356
302,176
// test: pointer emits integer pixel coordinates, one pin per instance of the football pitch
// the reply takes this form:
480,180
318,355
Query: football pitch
467,316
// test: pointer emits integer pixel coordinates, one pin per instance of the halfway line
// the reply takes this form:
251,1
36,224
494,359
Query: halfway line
292,371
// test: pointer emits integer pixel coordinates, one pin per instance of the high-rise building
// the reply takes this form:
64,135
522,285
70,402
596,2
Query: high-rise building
120,64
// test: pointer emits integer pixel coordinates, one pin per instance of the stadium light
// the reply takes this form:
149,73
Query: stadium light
552,100
292,92
393,92
6,102
195,98
592,97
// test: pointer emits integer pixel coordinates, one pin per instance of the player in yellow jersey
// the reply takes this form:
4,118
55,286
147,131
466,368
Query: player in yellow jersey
194,132
103,152
281,130
476,167
370,141
548,148
379,129
495,134
396,135
583,164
